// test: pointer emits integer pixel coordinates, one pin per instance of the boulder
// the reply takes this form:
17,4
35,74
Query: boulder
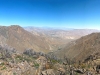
48,72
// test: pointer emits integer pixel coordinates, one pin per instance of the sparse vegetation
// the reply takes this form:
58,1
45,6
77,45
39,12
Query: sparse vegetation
36,65
3,68
78,57
14,73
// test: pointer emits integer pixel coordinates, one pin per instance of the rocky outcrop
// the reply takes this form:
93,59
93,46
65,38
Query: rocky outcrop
48,72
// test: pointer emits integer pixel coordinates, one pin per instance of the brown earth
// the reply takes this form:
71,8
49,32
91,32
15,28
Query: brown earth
20,39
81,48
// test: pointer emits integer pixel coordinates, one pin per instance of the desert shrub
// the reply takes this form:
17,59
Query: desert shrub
14,73
2,64
40,54
6,51
28,59
29,52
76,74
19,58
83,66
88,66
36,65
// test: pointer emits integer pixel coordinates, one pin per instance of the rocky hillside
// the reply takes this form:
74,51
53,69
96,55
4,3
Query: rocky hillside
81,48
15,36
31,62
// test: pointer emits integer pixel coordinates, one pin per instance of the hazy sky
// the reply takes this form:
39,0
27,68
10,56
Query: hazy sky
51,13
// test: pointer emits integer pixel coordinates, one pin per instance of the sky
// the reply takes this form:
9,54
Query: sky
51,13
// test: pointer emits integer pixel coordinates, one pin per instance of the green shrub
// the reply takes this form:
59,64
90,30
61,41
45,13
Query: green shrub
14,73
36,65
19,57
2,64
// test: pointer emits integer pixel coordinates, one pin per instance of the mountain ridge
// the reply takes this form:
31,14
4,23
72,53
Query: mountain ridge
81,48
21,39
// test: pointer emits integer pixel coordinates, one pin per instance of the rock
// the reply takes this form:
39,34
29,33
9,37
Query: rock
42,61
48,72
98,69
61,71
79,71
6,73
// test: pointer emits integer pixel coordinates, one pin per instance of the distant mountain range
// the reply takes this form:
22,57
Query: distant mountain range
61,33
39,39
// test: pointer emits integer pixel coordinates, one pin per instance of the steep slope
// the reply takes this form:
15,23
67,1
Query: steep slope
15,36
58,38
81,48
54,42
